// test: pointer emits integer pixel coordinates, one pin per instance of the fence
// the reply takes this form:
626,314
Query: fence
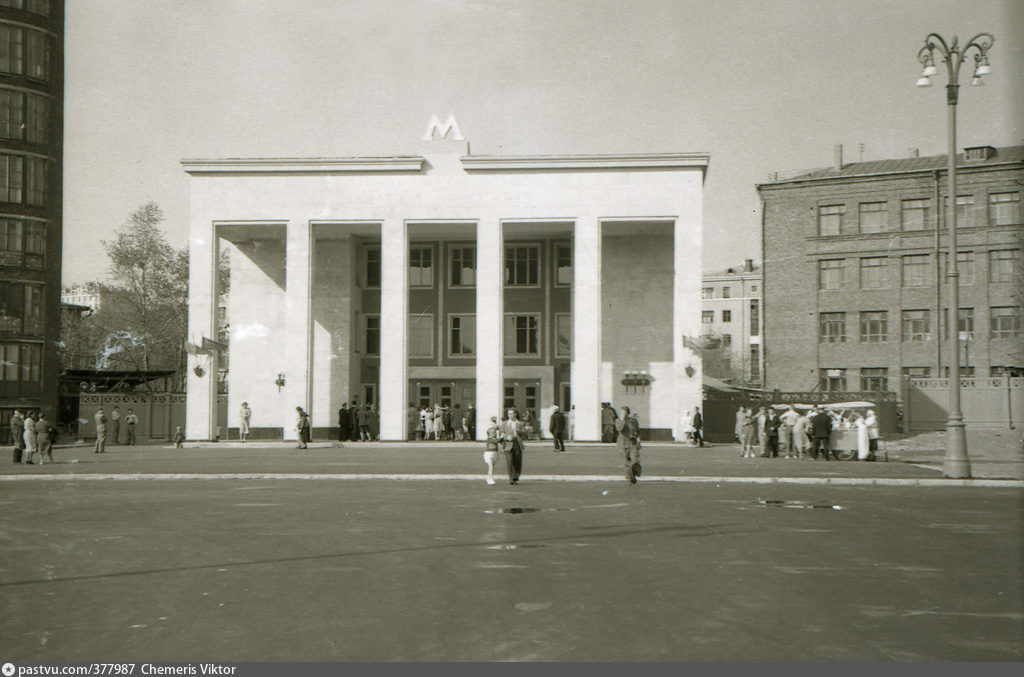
996,402
159,414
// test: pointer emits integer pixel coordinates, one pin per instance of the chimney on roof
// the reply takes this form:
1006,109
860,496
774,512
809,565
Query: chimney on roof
914,152
839,156
748,265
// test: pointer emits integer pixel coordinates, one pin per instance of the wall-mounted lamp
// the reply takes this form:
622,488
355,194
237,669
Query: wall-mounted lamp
690,371
199,371
279,382
636,379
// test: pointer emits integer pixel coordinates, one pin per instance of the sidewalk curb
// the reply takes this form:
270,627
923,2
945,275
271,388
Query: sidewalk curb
665,479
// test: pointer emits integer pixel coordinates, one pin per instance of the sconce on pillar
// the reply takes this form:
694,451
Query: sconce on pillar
279,382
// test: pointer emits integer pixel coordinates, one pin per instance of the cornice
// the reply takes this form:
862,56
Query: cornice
302,165
554,162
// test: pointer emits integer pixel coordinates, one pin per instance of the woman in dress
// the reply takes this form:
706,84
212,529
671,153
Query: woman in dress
687,428
748,433
872,423
302,427
30,437
863,446
801,440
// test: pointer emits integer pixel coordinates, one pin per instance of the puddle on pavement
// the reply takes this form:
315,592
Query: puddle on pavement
780,503
516,546
511,511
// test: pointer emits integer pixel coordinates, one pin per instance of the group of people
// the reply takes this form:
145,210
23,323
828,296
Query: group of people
113,433
801,435
358,423
31,434
442,422
693,428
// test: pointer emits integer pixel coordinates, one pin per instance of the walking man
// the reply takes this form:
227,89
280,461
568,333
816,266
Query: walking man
244,419
698,427
557,428
771,434
302,427
786,430
343,423
628,429
101,431
607,423
17,434
115,426
131,420
44,439
511,434
471,421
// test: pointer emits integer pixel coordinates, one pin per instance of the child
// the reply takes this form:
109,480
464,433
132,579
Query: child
491,452
179,438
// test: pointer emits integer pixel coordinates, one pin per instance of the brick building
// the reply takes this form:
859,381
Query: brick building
852,271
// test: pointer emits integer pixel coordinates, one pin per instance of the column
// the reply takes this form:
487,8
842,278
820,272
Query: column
394,316
298,324
201,398
586,328
687,370
490,323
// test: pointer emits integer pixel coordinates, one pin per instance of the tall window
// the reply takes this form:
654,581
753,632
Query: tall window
755,363
874,272
830,220
12,308
707,293
964,210
964,266
522,335
873,217
917,372
874,379
916,325
726,316
1004,209
38,6
563,335
462,335
874,326
964,325
373,334
463,267
707,316
12,50
914,214
563,265
421,266
726,292
830,274
755,320
12,114
35,181
726,340
522,266
33,309
11,242
20,368
421,335
372,266
833,380
11,178
917,270
1005,322
36,117
1002,264
37,55
35,244
832,328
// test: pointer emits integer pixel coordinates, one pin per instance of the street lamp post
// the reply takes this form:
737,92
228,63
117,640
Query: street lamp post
956,463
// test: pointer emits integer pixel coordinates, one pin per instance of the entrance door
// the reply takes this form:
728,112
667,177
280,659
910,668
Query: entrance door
449,393
523,396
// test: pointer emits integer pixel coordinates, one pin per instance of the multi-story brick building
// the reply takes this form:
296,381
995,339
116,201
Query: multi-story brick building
31,134
854,274
731,316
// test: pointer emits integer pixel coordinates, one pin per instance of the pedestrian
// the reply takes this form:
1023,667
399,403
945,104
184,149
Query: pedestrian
412,418
872,423
44,438
749,432
244,419
772,423
801,439
428,422
353,421
572,422
131,420
698,427
438,422
628,428
511,435
491,448
761,425
471,421
821,428
179,438
738,429
100,420
30,436
302,428
686,427
374,423
788,420
607,423
18,434
556,426
115,426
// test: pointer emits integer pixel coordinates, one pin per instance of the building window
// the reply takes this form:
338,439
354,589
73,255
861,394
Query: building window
874,379
421,335
917,372
462,335
463,267
874,272
1015,372
421,266
917,325
755,363
965,372
522,335
917,270
522,266
726,292
726,316
563,265
873,217
830,220
1002,264
964,266
11,178
38,7
726,340
1003,209
563,335
830,274
373,334
833,380
914,214
964,210
12,114
12,50
707,316
33,309
965,324
37,117
373,267
874,326
35,181
1005,322
707,293
37,56
832,328
20,369
755,322
11,242
12,312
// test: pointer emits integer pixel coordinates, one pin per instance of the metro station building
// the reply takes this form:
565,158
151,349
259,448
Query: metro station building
445,277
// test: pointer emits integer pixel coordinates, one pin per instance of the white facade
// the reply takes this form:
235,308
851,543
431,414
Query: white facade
732,313
298,229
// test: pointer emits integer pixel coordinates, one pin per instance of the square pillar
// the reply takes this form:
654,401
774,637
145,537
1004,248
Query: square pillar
686,283
586,328
298,323
201,398
394,342
490,319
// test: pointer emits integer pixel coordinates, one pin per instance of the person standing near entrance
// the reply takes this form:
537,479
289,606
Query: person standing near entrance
101,431
244,419
30,436
557,428
607,423
698,427
17,434
353,421
471,421
821,429
44,439
302,428
131,420
491,448
628,428
343,423
787,431
511,435
115,426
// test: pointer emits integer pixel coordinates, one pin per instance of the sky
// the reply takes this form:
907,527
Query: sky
764,87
